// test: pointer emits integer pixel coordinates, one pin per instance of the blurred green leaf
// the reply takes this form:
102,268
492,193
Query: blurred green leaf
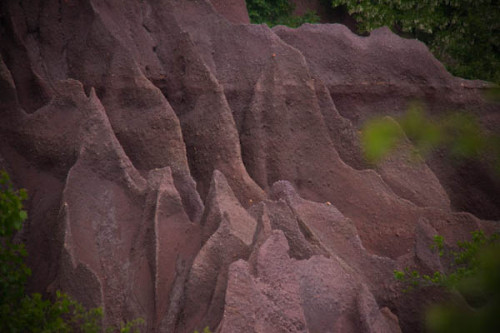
424,133
464,135
379,137
278,12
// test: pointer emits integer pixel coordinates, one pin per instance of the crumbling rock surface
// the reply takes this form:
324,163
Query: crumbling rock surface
233,10
285,295
194,171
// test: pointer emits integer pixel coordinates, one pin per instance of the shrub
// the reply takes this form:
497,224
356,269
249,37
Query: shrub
475,274
20,312
277,12
464,34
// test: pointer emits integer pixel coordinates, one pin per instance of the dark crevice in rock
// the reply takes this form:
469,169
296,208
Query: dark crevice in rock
32,91
188,106
309,236
87,89
191,201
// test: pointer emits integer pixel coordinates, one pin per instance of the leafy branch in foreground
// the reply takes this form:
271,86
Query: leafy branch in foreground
459,133
475,274
20,312
465,262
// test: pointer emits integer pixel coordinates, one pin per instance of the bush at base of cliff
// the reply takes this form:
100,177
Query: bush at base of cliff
481,290
20,312
473,277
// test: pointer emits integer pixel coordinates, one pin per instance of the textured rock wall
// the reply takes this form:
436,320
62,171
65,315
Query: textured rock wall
233,10
193,171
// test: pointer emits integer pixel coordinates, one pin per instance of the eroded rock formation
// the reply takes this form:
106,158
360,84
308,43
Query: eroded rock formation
193,170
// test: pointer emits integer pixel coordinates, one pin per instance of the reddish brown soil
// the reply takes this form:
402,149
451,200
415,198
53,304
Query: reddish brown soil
194,170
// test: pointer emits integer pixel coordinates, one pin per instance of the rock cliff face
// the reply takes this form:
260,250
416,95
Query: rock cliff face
193,170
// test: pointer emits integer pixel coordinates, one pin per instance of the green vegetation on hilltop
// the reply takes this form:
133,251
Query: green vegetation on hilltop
463,34
277,12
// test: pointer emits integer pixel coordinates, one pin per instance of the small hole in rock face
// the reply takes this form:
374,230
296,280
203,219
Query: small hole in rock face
154,48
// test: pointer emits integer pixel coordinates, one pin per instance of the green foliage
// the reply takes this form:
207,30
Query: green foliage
128,327
13,271
475,273
481,290
421,130
34,314
413,279
20,312
205,330
277,12
438,244
379,137
464,34
11,205
459,133
465,262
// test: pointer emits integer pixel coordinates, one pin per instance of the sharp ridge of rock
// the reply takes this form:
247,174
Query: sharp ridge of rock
194,172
